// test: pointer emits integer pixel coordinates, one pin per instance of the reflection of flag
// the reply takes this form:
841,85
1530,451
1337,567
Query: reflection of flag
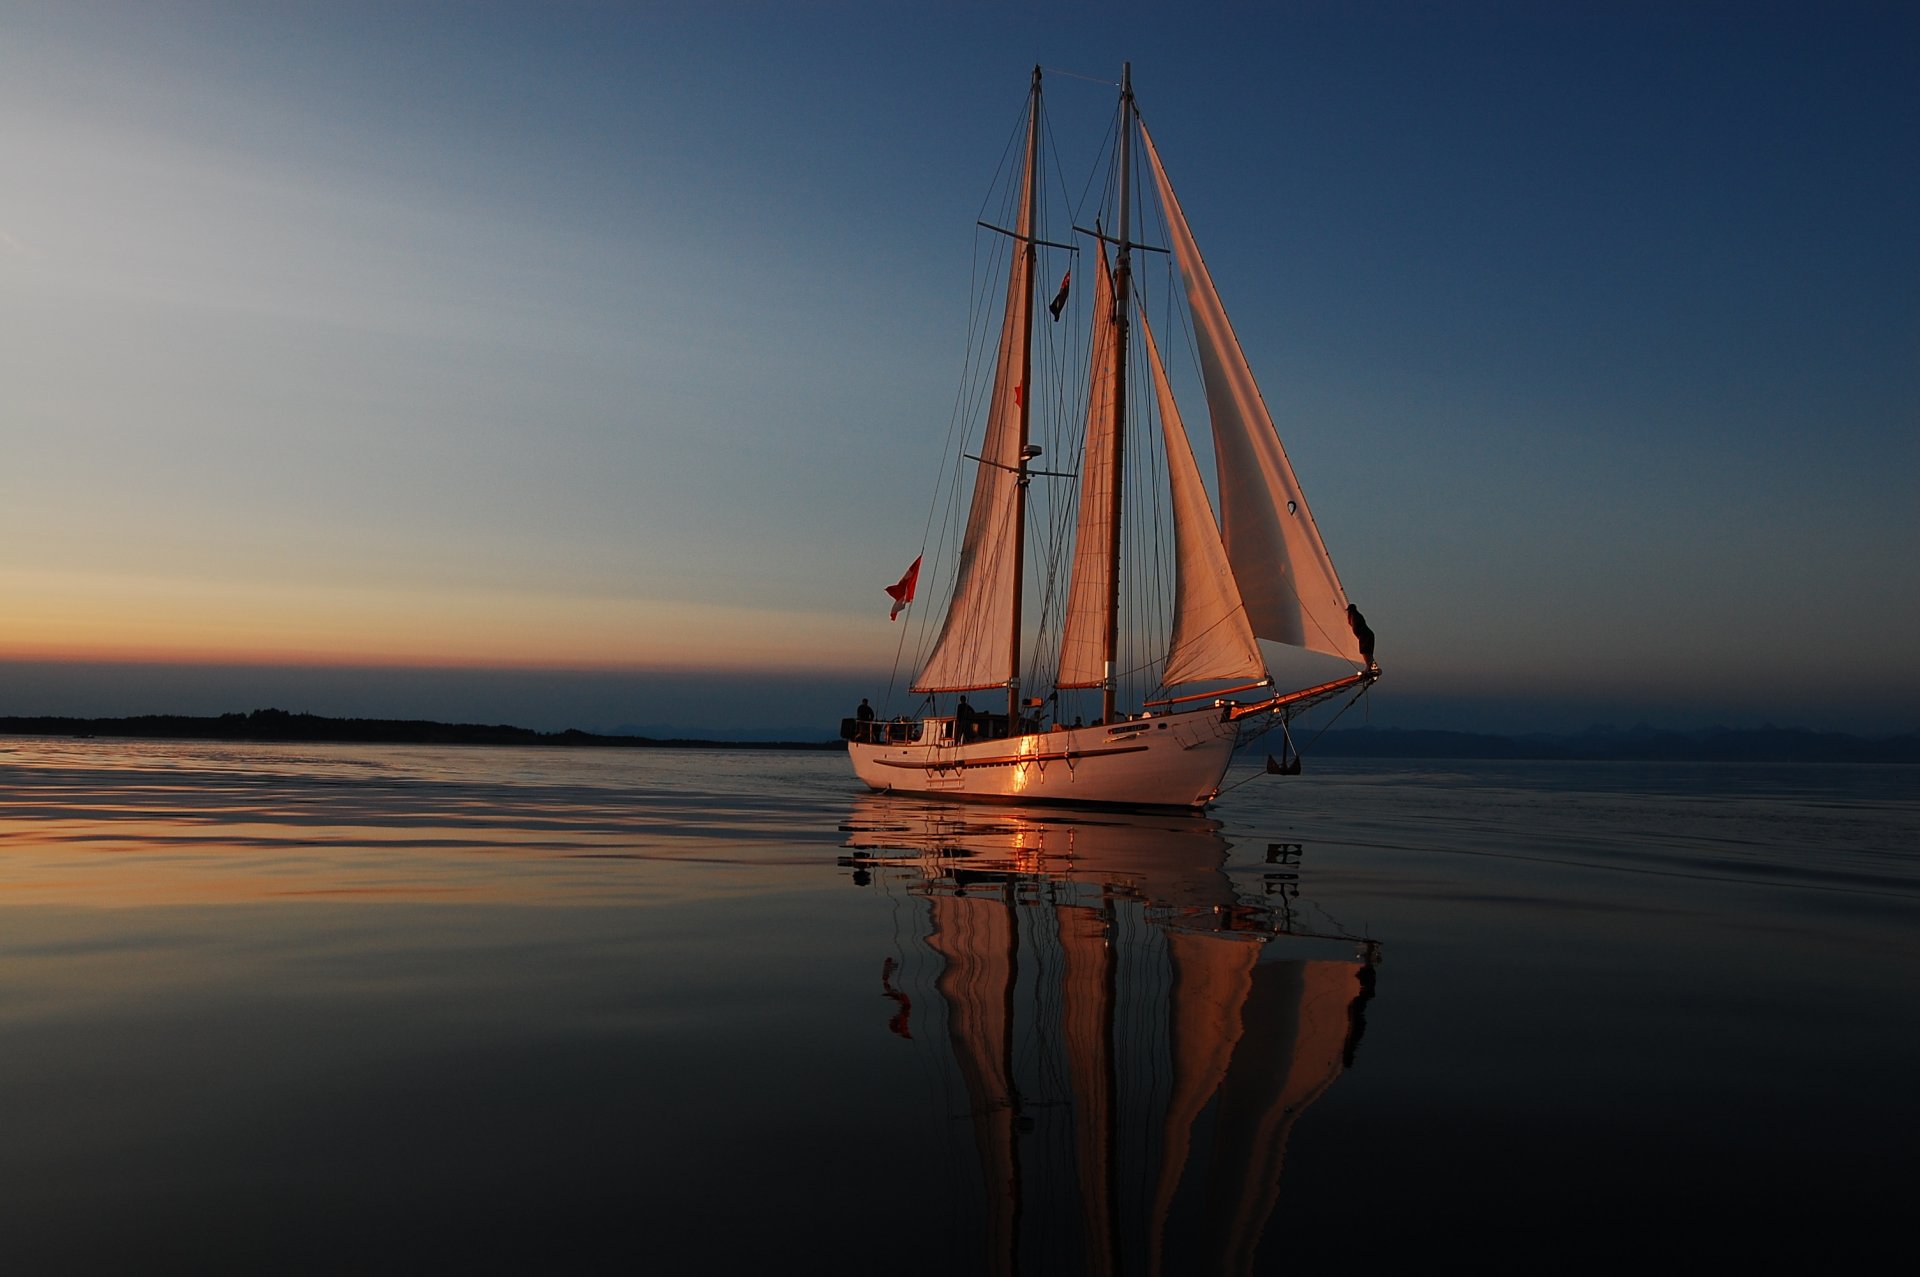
902,590
1060,298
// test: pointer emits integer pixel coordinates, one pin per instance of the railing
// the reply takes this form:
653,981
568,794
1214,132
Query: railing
878,731
905,731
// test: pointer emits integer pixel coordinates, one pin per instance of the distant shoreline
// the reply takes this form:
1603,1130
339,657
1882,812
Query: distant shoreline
1598,744
279,725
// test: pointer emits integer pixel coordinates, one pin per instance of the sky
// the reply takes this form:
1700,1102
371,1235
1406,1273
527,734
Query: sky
589,364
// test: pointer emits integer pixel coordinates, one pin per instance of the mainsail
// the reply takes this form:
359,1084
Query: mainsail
1291,591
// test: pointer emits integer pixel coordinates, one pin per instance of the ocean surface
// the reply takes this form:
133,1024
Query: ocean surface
322,1008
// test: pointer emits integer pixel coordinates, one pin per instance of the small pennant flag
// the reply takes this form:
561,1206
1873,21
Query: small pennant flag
1019,393
901,591
1059,301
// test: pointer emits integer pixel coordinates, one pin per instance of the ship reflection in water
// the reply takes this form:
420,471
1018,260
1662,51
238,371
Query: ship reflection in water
1124,1039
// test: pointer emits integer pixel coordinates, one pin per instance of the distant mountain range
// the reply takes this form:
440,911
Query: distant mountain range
1640,743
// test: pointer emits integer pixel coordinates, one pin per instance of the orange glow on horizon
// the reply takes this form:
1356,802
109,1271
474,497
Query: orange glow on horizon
96,620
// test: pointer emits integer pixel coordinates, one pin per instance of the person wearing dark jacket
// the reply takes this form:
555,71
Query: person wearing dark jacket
1363,632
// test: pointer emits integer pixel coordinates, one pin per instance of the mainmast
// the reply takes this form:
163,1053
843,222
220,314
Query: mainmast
1029,253
1122,322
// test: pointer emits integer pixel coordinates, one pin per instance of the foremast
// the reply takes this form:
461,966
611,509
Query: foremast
1028,257
1122,325
980,639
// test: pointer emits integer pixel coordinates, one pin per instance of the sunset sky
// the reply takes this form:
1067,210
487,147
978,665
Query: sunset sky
587,364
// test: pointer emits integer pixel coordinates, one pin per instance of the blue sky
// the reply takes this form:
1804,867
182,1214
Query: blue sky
513,337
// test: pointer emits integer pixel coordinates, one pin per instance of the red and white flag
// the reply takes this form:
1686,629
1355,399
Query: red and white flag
902,590
1060,298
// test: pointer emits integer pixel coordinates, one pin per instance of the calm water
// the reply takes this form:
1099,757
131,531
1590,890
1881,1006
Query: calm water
355,1007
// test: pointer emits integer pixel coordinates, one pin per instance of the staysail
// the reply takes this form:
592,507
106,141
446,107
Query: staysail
1291,591
1211,638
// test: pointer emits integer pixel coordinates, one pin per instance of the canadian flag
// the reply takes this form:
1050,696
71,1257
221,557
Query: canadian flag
902,590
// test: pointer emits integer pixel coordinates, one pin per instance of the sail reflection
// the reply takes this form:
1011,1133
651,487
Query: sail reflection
1128,1036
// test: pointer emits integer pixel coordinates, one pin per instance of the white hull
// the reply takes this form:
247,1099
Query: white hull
1168,760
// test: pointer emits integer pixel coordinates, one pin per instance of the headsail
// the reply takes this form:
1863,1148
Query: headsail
1291,591
1211,638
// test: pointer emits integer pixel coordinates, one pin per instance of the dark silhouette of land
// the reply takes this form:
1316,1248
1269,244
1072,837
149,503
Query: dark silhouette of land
279,725
1641,743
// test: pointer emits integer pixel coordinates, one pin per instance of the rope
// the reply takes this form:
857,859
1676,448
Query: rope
899,650
1297,750
1236,784
1364,689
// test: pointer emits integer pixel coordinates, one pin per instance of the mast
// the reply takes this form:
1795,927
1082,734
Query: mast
1029,253
979,643
1122,321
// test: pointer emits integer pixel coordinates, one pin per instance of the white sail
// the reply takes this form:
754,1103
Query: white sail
1211,638
976,644
1084,636
1291,591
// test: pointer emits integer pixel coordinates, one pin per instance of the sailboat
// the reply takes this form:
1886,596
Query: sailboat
1258,572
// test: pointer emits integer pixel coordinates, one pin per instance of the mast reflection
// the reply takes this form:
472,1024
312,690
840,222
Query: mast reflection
1132,1038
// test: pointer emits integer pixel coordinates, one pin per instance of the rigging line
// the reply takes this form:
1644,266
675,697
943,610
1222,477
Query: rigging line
899,650
1107,145
1053,153
1253,775
1351,702
962,400
1015,141
1077,75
